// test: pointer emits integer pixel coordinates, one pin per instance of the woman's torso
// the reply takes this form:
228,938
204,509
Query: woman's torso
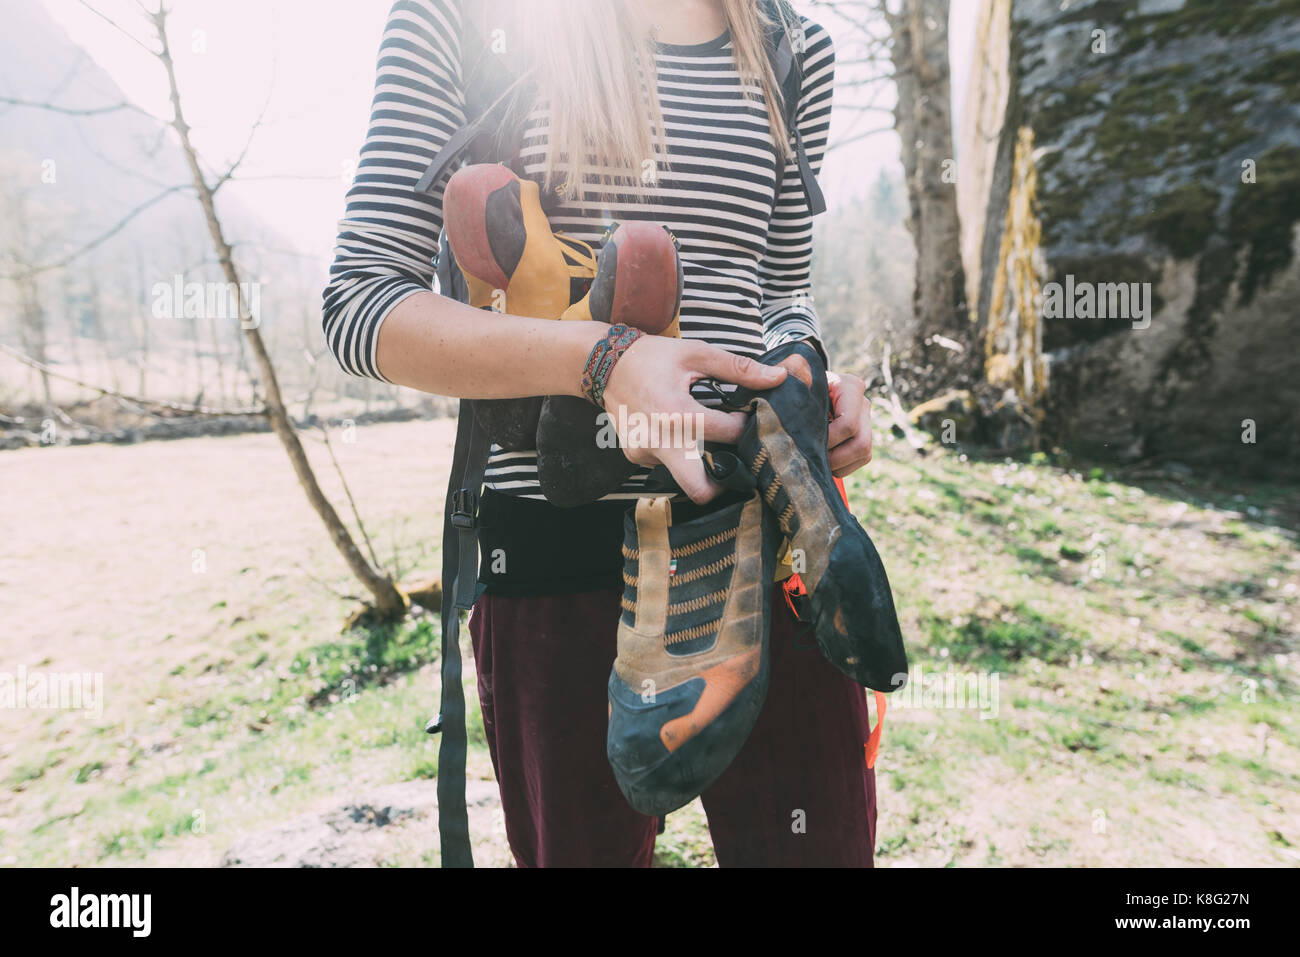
715,194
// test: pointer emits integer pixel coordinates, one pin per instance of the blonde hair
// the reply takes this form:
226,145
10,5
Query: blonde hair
589,60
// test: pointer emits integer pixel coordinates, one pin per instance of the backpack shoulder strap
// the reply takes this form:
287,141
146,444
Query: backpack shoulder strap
486,83
787,64
497,92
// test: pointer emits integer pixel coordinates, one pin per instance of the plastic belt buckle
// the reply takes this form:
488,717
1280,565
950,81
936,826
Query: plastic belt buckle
464,511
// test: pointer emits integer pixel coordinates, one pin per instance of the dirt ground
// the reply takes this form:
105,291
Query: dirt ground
1142,635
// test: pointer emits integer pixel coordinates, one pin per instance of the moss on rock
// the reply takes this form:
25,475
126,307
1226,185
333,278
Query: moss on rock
1282,70
1199,17
1183,219
1263,215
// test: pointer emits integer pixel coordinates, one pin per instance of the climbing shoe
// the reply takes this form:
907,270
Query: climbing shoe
638,282
513,263
848,598
692,666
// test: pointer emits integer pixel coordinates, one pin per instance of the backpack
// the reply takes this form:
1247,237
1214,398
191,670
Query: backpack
498,96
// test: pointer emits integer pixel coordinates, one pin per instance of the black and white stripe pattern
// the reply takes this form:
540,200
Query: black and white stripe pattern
745,248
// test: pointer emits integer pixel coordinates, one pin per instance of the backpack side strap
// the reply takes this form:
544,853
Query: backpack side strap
460,589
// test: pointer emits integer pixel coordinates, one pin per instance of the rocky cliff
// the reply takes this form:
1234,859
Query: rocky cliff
1130,188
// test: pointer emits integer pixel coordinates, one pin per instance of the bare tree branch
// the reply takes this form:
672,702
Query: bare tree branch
113,164
838,144
295,177
98,240
261,115
342,596
347,490
135,399
120,29
77,111
863,108
895,407
854,19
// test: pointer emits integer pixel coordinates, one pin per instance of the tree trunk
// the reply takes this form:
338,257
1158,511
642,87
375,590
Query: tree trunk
219,357
945,343
390,603
99,329
73,305
95,316
141,312
34,335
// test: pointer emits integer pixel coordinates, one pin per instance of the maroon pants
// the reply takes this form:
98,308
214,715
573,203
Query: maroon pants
799,793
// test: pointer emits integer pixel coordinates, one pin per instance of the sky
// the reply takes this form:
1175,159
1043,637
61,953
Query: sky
310,65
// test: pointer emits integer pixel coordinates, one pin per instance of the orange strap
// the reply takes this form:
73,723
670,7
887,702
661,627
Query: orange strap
873,742
794,588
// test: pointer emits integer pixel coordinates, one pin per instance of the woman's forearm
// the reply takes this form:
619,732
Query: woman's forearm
435,344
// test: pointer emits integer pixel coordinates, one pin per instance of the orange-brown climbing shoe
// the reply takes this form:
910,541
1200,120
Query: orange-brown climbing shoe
638,282
512,263
692,666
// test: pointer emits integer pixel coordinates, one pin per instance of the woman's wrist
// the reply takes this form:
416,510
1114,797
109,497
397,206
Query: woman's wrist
604,355
572,348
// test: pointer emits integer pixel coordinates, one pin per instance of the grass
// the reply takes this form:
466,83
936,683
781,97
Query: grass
1142,635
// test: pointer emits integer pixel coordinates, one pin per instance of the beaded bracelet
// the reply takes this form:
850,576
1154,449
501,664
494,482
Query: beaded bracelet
604,355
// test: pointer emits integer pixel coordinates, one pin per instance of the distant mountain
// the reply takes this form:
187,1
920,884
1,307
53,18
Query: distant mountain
67,180
103,165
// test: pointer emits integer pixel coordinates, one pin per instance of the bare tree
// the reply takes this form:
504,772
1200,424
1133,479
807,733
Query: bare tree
388,602
945,339
901,46
31,316
25,238
863,69
140,316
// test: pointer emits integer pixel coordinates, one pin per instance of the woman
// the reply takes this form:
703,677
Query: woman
726,184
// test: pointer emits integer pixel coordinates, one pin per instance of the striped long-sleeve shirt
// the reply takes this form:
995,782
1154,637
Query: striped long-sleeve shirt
744,227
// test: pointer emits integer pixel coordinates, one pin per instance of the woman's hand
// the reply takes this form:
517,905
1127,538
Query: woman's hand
659,422
849,441
850,432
